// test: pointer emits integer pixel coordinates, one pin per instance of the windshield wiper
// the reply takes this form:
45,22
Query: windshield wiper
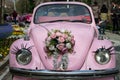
55,21
83,20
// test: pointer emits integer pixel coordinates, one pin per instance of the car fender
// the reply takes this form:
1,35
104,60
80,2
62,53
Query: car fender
35,63
91,62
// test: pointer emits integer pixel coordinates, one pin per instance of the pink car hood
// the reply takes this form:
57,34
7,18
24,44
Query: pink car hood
83,35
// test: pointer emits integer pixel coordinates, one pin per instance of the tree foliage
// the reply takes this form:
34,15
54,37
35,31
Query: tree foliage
21,6
32,5
25,6
87,2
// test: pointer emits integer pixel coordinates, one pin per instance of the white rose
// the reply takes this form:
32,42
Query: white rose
51,47
62,30
69,38
49,38
68,45
47,43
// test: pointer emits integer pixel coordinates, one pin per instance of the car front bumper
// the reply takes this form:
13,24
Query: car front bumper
72,74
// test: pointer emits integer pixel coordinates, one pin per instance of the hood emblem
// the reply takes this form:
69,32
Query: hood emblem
59,43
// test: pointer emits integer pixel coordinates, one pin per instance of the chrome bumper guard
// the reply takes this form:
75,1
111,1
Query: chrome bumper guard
72,74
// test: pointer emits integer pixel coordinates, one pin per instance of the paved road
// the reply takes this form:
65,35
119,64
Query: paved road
114,38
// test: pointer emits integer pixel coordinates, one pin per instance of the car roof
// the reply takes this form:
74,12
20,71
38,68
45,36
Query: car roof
61,2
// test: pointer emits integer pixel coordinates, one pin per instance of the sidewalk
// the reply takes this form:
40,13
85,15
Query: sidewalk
4,62
115,38
4,70
112,36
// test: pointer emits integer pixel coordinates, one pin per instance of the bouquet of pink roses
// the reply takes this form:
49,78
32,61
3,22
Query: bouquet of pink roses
59,42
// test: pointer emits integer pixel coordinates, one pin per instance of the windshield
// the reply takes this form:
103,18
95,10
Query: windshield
62,12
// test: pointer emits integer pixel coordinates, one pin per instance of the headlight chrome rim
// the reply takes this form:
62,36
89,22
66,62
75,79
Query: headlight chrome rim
23,56
102,56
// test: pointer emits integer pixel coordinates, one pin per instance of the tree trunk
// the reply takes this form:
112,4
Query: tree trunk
0,11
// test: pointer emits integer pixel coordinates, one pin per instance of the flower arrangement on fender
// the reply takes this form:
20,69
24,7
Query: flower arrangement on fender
59,42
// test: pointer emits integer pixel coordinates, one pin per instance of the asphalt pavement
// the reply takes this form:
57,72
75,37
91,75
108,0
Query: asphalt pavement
115,38
112,36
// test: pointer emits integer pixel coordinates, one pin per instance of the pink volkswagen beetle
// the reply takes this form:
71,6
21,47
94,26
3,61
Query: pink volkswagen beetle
62,42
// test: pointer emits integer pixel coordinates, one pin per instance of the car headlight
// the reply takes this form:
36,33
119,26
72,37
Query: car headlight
24,56
102,56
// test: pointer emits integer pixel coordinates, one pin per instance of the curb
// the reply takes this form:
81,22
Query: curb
4,62
3,66
4,74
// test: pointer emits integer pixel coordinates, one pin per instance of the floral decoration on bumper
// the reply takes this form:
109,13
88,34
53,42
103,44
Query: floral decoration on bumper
59,43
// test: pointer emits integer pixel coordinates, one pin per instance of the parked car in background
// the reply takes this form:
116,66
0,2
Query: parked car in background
62,42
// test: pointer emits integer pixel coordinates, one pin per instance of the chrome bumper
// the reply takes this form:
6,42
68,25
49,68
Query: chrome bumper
72,74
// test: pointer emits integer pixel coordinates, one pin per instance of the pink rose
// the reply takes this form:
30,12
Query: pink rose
48,38
72,37
64,35
60,46
73,42
64,50
58,34
61,39
53,36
